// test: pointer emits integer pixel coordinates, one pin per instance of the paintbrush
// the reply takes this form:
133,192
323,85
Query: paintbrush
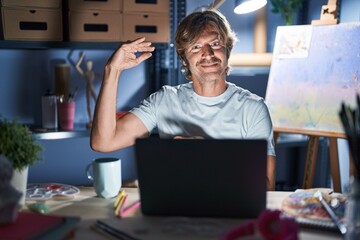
351,124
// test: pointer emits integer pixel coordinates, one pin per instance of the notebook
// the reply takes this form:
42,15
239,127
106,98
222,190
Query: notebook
202,178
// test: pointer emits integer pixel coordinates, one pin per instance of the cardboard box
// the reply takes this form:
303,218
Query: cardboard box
32,3
32,24
155,27
97,5
95,26
148,6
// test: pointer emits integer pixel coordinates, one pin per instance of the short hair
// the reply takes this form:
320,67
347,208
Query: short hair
192,25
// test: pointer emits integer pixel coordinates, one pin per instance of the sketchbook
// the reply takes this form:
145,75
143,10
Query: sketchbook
30,225
308,211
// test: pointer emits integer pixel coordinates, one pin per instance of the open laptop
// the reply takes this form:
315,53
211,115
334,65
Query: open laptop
202,178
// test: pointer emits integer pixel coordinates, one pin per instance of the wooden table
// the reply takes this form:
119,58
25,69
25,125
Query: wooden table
91,208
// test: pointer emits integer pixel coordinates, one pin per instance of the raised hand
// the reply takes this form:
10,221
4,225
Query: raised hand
125,56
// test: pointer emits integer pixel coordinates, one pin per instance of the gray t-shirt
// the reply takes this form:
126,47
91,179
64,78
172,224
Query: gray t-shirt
179,111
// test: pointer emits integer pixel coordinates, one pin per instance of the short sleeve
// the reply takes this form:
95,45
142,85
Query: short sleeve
147,110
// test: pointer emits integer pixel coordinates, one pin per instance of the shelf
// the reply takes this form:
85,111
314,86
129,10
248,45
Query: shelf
15,44
45,134
61,135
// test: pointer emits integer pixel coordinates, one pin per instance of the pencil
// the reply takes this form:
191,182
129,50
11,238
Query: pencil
351,123
113,231
130,208
120,205
99,230
120,195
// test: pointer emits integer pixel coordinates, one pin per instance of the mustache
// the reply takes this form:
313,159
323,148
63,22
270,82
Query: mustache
212,60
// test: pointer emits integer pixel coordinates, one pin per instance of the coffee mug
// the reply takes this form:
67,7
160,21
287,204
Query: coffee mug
106,176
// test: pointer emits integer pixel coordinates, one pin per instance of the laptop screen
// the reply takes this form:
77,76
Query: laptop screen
202,178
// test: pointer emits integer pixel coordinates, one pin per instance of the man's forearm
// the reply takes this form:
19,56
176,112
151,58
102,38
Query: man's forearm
271,173
104,123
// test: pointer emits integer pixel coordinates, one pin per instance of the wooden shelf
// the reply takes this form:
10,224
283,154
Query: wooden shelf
15,44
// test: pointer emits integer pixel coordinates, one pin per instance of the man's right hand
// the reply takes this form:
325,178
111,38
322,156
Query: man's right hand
125,56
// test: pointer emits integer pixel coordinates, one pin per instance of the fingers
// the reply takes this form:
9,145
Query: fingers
138,45
142,57
131,54
193,137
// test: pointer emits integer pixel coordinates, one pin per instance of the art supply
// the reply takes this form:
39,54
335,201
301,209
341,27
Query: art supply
350,119
125,211
351,122
339,225
317,102
49,111
67,115
120,205
120,202
46,191
72,95
119,197
38,208
106,176
102,232
105,228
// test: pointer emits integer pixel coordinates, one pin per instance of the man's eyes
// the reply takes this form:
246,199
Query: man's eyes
214,45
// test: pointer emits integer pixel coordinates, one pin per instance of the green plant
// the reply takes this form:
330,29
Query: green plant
18,144
287,9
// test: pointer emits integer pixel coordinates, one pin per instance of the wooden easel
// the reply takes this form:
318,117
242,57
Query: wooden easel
328,14
311,155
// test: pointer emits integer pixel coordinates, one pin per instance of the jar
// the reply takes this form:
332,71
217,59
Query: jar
49,111
352,212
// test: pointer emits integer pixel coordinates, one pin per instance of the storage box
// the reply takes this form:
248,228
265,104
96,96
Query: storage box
95,26
32,3
147,6
32,24
155,27
98,5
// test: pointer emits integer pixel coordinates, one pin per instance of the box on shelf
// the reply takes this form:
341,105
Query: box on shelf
32,3
95,26
146,6
98,5
155,27
32,24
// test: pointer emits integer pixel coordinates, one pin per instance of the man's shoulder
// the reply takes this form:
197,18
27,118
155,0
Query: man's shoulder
244,94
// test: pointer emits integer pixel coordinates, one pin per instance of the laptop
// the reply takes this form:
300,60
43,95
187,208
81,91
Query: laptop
202,178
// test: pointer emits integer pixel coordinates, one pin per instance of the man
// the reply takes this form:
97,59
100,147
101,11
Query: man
206,107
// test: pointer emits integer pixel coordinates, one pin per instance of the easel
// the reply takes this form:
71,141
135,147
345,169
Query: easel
328,15
311,155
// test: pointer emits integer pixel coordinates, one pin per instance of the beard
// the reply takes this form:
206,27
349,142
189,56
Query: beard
211,76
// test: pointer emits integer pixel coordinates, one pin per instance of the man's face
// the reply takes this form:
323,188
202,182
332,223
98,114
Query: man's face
206,58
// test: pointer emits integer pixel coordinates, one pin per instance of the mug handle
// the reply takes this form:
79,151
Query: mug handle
87,172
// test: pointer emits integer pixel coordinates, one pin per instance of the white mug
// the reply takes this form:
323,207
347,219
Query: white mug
106,176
